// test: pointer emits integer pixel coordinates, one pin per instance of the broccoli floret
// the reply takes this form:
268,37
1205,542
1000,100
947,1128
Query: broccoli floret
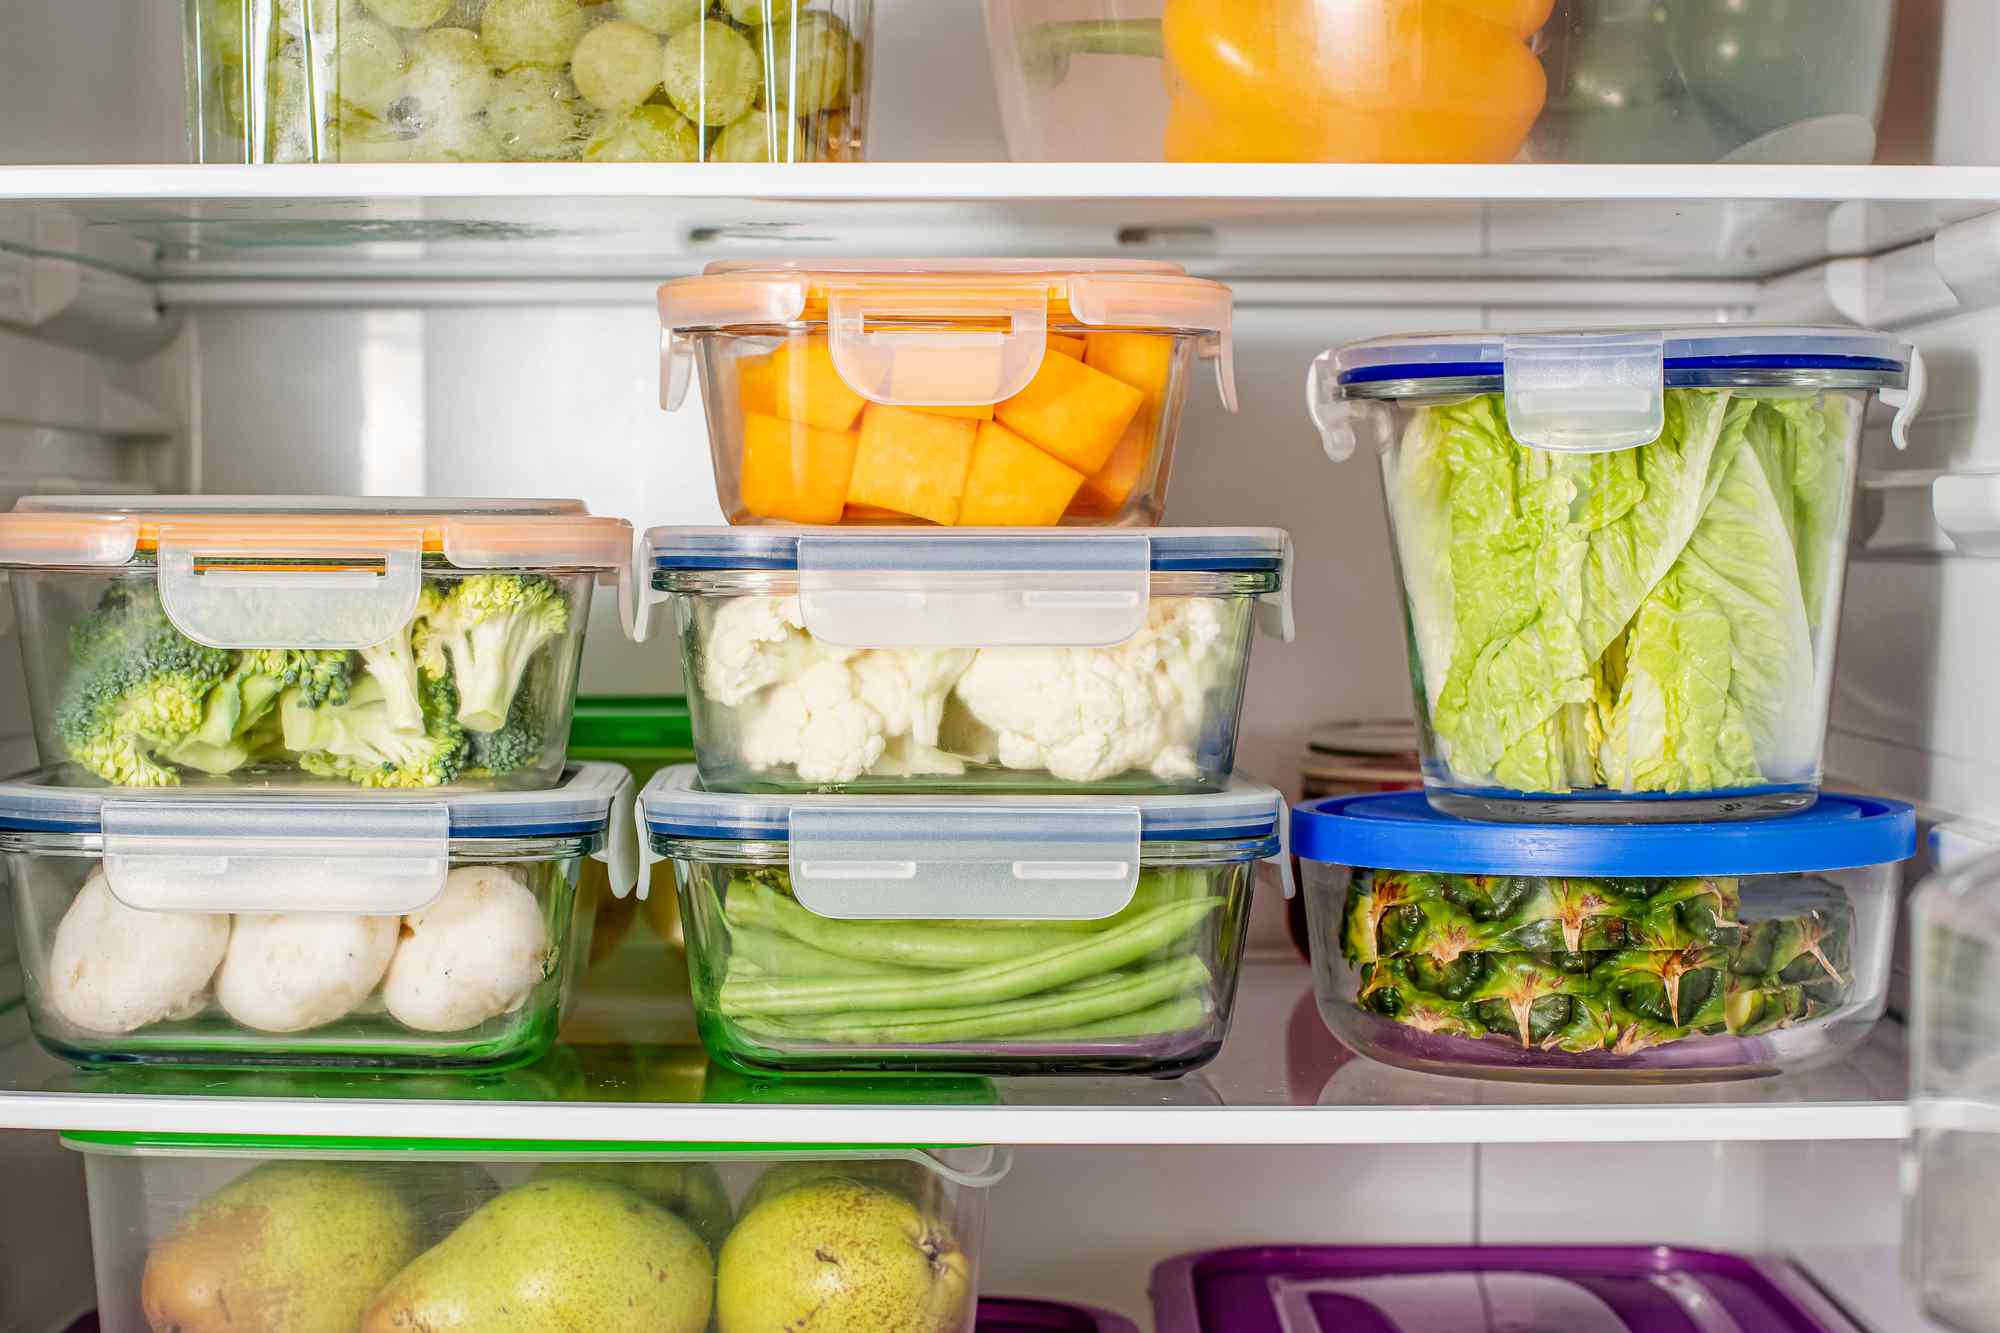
359,741
393,662
489,627
137,689
492,754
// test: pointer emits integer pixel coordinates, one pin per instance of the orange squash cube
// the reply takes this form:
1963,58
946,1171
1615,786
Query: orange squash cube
912,462
1143,360
1072,411
1013,484
808,388
795,472
757,385
981,413
1068,344
1106,490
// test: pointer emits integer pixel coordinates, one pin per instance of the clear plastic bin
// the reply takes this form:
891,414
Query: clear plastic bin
1621,555
1041,935
397,932
975,393
919,661
375,1235
1400,81
528,80
1641,953
281,642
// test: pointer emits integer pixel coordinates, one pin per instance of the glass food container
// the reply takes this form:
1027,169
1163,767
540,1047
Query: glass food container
1404,81
1486,1289
404,931
527,80
858,934
1007,1314
283,642
923,661
974,393
1634,953
379,1235
1621,555
1951,1244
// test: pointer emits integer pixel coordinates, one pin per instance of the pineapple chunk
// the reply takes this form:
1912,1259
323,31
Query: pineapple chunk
1014,484
757,385
809,388
912,462
1068,344
1072,411
795,472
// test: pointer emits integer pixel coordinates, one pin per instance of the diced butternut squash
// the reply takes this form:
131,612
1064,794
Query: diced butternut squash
808,388
795,472
912,462
1106,490
1072,411
1014,484
870,514
983,413
757,385
1068,344
1143,360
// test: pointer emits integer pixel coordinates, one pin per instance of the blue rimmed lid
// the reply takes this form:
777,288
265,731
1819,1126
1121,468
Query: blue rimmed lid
1400,831
1172,550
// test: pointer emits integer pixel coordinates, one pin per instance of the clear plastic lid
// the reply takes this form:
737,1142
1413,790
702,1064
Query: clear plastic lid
378,852
1593,390
964,857
940,332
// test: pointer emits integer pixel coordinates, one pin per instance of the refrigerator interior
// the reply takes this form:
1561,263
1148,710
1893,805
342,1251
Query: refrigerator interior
386,335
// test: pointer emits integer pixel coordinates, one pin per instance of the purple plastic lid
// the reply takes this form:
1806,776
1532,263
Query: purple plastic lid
1485,1289
1004,1314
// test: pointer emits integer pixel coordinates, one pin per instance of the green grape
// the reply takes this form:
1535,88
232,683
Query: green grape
531,32
663,16
645,134
533,115
712,73
449,80
371,67
616,66
751,140
757,12
467,140
828,64
408,13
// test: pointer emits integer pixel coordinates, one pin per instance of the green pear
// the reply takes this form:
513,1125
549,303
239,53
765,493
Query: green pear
905,1177
691,1191
289,1247
555,1255
841,1256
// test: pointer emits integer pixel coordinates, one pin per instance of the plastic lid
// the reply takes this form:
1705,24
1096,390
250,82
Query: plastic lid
608,725
1376,739
1400,831
1166,550
940,332
470,534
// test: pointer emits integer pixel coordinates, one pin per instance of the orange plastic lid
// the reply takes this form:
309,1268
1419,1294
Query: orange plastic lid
72,530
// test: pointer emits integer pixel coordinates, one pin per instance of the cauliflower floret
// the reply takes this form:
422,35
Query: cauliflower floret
1086,714
293,971
818,724
755,643
113,968
908,687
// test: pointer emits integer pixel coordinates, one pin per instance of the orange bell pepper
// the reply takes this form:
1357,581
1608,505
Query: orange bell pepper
1335,80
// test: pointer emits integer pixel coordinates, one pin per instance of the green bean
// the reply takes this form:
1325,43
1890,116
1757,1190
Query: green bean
784,956
908,943
1175,1015
1074,960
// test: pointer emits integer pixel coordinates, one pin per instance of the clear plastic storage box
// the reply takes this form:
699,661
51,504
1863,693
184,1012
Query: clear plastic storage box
1621,555
929,661
1477,81
397,932
527,80
1007,1314
974,393
283,641
1642,953
1035,935
386,1235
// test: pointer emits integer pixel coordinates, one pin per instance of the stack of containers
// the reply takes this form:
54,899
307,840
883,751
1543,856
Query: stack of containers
303,798
1620,555
965,723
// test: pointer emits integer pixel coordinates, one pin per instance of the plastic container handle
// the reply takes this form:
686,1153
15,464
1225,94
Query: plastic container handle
373,858
1345,424
310,595
985,862
1586,393
936,364
622,837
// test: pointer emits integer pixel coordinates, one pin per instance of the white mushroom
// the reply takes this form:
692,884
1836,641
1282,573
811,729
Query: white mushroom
472,955
114,968
297,970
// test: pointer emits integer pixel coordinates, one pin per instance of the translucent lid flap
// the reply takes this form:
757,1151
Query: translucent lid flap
373,858
955,347
1134,300
910,591
992,861
1586,393
230,592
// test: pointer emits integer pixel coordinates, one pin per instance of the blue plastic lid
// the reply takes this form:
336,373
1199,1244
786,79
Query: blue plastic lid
1694,358
581,803
1400,831
1173,550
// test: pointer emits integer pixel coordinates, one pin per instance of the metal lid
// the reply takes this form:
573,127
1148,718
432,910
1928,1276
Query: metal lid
1401,831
